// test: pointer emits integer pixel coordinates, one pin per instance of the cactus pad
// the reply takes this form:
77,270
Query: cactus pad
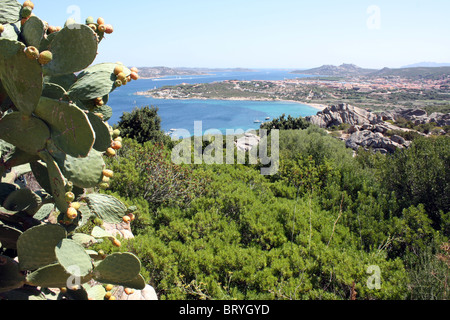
9,11
82,172
29,134
96,81
9,236
71,130
106,207
10,276
53,91
73,258
24,92
74,48
49,276
11,31
117,268
36,246
23,200
56,180
65,80
102,135
33,31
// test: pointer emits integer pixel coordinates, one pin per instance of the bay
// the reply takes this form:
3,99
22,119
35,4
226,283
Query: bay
214,114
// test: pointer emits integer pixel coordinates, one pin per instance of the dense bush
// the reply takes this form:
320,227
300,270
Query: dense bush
309,232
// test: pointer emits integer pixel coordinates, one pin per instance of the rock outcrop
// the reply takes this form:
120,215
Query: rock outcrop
417,116
344,113
368,130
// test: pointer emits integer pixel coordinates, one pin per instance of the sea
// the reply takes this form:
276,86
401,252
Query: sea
219,115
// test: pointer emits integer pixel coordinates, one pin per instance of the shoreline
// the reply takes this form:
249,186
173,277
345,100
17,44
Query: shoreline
316,106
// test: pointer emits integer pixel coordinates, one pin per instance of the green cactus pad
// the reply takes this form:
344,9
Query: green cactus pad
98,232
24,91
10,276
9,236
46,41
40,172
29,134
74,48
9,11
53,91
5,190
44,212
73,258
137,283
84,240
82,172
96,81
117,268
102,135
65,80
49,276
33,31
36,246
56,180
23,200
11,32
106,111
71,130
96,293
15,158
106,207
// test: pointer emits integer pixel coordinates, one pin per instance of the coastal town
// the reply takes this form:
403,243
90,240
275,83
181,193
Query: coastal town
374,93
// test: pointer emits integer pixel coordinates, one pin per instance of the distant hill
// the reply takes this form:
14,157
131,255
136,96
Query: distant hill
157,72
343,70
427,65
414,72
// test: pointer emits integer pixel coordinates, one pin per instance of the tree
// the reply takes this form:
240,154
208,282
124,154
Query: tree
142,125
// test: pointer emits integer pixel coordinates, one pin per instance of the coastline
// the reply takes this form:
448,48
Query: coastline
319,107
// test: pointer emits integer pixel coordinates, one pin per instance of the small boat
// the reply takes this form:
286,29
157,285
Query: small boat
257,121
268,118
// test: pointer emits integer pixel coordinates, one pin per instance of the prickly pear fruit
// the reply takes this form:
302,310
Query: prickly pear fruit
52,29
32,53
126,219
93,26
104,185
100,21
118,83
116,133
99,102
28,3
70,196
121,76
45,57
116,145
108,295
75,205
90,20
108,173
117,243
102,28
72,214
118,70
132,216
109,287
109,29
26,12
129,291
134,76
134,69
2,28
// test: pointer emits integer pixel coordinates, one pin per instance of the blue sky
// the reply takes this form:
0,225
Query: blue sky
265,33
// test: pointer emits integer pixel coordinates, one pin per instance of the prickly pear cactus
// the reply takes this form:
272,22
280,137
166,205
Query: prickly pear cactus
53,127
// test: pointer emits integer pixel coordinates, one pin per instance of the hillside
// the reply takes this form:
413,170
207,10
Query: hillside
157,72
351,70
343,70
431,73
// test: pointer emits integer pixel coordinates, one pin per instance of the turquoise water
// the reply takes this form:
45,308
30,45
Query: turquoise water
214,114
